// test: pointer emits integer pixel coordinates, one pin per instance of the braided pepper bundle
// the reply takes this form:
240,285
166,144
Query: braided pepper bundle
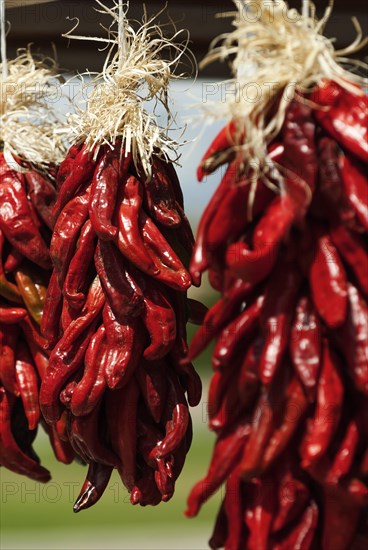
288,397
116,308
27,193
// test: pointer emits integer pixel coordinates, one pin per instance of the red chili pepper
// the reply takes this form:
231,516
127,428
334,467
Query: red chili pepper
176,415
322,427
152,380
249,382
197,312
11,315
80,172
218,152
110,170
66,233
121,409
11,455
124,298
98,476
294,408
199,262
50,328
276,318
89,391
328,283
8,342
159,319
260,509
42,195
355,186
305,345
80,267
352,339
8,290
235,335
170,269
352,250
16,221
66,165
217,317
298,137
343,114
63,451
228,449
160,198
234,505
302,535
130,240
124,350
87,439
345,455
27,381
254,265
65,360
293,495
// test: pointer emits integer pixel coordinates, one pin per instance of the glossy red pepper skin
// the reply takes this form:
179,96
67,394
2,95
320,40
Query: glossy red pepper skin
352,250
124,350
16,220
302,535
78,274
42,194
176,416
253,265
235,335
228,449
169,268
234,505
305,345
152,380
8,290
78,173
322,427
218,151
28,383
259,512
9,335
328,283
66,233
199,262
97,479
160,198
130,239
355,184
50,328
276,318
105,182
352,339
89,391
343,115
298,137
11,455
124,298
121,420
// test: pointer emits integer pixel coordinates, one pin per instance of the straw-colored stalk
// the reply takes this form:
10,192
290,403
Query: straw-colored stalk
135,72
29,128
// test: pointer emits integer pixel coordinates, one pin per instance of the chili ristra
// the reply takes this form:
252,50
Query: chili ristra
290,359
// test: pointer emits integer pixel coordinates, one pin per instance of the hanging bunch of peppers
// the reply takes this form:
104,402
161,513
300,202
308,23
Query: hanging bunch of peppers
116,308
31,146
284,240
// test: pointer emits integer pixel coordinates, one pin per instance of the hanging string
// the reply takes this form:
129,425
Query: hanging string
4,62
305,9
121,34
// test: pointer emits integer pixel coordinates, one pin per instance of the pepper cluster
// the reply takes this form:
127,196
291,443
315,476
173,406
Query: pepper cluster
115,320
288,397
25,266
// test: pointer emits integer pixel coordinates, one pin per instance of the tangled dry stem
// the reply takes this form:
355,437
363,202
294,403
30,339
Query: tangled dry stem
29,127
135,72
276,55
